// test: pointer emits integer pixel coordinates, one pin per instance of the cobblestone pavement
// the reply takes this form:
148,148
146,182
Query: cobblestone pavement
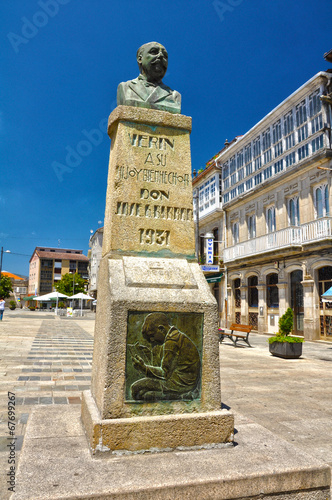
290,397
44,360
47,360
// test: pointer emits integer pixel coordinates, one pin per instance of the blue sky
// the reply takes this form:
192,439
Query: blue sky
233,61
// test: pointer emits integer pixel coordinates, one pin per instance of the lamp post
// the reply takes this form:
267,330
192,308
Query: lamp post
6,251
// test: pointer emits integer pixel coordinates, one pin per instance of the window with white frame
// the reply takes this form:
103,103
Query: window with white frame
290,141
233,193
321,201
316,123
258,178
240,188
249,184
225,170
251,223
257,146
249,169
303,151
247,154
267,156
266,139
302,133
240,174
288,123
235,232
315,104
294,211
290,159
278,149
271,219
278,166
226,197
226,183
317,143
301,113
239,159
232,165
233,179
276,131
267,172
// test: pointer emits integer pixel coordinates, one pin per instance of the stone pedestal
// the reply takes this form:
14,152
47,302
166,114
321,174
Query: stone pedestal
148,267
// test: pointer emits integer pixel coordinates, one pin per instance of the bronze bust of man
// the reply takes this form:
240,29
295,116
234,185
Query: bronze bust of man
148,90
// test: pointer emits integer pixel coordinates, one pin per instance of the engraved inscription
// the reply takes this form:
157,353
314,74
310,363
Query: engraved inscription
151,142
154,211
154,176
157,160
154,236
154,194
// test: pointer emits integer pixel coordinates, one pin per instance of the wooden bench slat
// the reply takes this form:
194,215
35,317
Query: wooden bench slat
235,331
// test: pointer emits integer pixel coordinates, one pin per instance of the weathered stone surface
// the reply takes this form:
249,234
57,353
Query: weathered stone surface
155,377
260,466
149,195
155,432
115,300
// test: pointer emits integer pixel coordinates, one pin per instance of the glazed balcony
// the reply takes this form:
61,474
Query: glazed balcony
293,236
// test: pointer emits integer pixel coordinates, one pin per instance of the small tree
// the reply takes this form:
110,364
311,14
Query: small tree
286,322
12,305
5,287
65,285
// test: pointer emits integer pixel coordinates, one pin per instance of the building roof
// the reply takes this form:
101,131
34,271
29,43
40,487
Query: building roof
59,253
11,275
61,256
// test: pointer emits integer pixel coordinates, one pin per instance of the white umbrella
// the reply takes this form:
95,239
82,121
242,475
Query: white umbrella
81,296
50,296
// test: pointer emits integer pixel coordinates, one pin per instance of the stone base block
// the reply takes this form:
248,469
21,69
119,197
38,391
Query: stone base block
56,464
161,432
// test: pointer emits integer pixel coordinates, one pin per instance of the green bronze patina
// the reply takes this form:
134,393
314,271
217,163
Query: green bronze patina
148,90
163,363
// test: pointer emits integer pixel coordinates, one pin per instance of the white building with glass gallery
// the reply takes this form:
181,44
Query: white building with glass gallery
266,198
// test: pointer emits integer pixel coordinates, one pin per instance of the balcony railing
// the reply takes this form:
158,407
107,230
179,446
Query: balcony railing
291,236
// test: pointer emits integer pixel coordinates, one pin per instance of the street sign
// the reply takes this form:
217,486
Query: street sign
209,250
210,269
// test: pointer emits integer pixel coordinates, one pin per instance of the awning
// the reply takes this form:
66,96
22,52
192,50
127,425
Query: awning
214,278
29,298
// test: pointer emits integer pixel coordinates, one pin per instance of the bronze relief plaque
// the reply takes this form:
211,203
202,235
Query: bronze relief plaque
164,356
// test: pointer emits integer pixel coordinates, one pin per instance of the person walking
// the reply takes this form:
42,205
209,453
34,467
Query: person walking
2,307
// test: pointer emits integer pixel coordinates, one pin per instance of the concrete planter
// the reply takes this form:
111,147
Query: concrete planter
286,349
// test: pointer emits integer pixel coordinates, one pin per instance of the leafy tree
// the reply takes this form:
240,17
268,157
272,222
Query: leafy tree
286,322
65,285
5,286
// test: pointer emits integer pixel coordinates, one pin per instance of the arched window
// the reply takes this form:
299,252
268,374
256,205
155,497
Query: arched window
324,280
251,222
237,292
321,200
294,211
272,297
252,291
235,232
271,220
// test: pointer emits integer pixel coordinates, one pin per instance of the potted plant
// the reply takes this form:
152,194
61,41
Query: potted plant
12,305
281,344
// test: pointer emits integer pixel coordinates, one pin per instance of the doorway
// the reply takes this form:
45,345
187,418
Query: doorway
324,283
297,301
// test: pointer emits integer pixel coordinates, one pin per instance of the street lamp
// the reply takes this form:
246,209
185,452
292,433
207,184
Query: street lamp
6,251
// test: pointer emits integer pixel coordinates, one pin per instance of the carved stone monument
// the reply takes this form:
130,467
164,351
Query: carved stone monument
155,374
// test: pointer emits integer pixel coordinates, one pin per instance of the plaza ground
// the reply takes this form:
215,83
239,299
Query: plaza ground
46,360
